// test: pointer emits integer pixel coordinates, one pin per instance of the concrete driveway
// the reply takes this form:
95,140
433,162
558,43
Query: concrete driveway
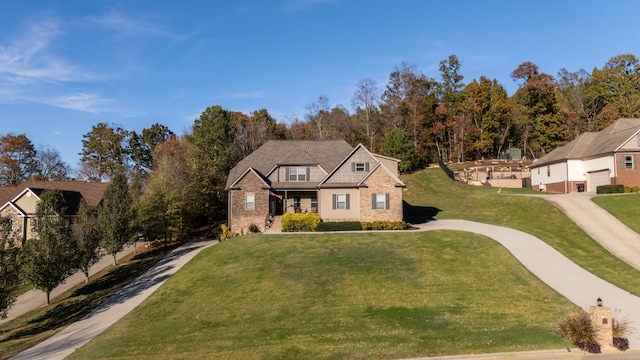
570,280
612,234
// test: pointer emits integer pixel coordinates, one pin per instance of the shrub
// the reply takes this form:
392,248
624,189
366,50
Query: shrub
578,329
620,328
253,228
621,344
225,233
339,226
384,225
300,222
610,189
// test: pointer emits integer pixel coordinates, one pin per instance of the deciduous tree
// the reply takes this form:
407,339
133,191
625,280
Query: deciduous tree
50,166
8,265
86,232
50,256
115,216
18,162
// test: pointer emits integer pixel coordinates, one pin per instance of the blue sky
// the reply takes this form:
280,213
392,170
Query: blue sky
68,65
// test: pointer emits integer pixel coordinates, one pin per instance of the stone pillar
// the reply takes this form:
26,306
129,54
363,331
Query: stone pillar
601,318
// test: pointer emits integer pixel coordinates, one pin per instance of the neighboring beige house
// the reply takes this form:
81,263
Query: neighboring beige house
339,182
599,158
19,202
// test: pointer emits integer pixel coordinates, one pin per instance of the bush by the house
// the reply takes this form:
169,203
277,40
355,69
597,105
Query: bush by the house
384,225
610,189
253,228
225,233
578,329
300,222
631,189
339,226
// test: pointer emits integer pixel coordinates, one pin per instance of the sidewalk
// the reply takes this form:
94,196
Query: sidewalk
33,299
79,333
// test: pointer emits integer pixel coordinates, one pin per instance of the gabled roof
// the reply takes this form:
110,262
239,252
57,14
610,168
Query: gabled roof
72,191
346,158
262,178
592,144
399,182
326,154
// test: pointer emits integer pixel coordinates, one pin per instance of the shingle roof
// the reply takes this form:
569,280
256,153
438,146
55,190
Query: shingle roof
327,154
92,192
592,144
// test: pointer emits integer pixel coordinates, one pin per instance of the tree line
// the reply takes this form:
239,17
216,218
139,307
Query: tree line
175,183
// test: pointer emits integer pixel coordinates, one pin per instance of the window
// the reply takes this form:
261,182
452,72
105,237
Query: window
380,201
249,201
298,173
296,202
548,171
341,201
360,166
629,162
314,204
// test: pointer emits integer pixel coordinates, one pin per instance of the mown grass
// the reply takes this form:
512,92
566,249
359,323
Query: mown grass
38,325
431,189
625,207
357,296
341,296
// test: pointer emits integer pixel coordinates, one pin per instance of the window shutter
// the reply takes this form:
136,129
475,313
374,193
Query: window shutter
373,201
353,167
334,199
308,172
347,202
287,173
366,167
386,201
635,164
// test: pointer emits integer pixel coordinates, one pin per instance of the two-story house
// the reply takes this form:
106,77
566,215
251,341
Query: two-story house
331,178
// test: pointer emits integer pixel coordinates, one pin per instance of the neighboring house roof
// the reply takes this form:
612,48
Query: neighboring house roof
326,154
72,191
593,144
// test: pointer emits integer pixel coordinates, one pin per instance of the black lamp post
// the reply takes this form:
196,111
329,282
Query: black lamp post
599,302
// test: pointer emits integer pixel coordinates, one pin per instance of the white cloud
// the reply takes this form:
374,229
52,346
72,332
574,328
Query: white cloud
27,59
129,27
78,101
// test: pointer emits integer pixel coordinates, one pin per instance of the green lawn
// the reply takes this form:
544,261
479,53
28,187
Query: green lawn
432,189
341,296
367,295
625,207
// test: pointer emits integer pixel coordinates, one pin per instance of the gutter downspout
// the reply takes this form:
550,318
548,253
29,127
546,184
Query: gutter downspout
566,180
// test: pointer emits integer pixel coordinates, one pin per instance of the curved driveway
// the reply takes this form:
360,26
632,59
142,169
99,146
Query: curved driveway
576,284
603,227
573,282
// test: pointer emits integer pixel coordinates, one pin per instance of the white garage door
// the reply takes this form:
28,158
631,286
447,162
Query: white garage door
597,178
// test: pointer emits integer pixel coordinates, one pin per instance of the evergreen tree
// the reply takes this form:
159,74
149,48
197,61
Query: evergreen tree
397,145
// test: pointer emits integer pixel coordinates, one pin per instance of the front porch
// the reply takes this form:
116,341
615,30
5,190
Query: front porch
292,201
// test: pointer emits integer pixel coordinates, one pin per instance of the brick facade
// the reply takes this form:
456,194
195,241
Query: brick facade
380,182
241,217
627,177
